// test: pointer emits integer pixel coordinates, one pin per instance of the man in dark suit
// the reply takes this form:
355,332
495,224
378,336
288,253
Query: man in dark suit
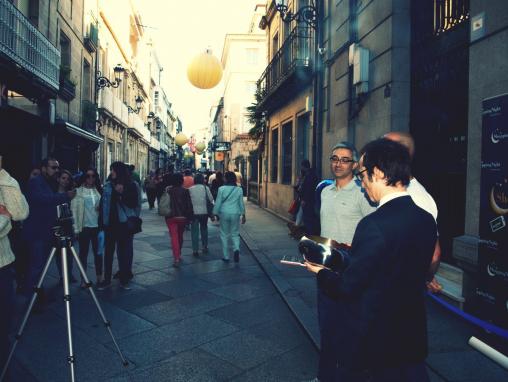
382,334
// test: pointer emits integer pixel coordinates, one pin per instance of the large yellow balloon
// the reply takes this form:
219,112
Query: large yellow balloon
200,146
181,139
204,71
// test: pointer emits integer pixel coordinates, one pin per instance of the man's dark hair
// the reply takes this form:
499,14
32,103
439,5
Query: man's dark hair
305,163
391,158
132,168
187,172
230,178
177,179
45,161
199,179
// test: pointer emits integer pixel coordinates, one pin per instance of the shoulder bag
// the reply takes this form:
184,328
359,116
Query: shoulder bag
164,206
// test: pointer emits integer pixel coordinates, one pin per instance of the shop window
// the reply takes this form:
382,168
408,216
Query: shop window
287,152
275,155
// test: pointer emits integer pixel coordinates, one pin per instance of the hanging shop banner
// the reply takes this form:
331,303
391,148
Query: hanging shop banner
492,292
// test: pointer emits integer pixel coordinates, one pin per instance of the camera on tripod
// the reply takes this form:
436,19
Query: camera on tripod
64,225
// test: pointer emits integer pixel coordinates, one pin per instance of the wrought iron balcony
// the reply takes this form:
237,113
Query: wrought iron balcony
291,65
25,46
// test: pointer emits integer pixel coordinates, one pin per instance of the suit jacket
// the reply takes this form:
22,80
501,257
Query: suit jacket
381,293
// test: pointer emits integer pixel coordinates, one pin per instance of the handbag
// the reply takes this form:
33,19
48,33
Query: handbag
293,207
209,204
134,224
164,206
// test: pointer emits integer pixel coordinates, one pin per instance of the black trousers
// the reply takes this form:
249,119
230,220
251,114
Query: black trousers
86,237
6,307
151,194
118,238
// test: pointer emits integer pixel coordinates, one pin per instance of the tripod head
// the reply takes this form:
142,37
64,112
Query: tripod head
63,230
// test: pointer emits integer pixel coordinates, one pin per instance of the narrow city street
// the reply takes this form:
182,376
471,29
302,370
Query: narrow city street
207,321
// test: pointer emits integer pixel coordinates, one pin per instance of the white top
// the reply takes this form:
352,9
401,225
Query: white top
385,199
197,193
341,211
91,200
422,198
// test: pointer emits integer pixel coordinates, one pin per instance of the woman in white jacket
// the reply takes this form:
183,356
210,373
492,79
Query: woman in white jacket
201,200
85,209
13,206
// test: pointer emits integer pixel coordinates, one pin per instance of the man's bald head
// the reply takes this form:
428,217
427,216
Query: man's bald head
404,139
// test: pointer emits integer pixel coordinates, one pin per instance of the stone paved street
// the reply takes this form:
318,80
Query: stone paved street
207,321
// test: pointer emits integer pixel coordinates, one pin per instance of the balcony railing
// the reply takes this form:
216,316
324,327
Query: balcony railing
22,43
92,37
295,53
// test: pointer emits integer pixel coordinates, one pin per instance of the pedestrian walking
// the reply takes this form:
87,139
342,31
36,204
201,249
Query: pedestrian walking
121,199
229,208
13,205
85,209
202,200
217,182
188,180
307,198
150,185
180,215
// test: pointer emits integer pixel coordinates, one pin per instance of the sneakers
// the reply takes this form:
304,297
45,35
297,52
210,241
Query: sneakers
103,285
236,256
176,264
125,286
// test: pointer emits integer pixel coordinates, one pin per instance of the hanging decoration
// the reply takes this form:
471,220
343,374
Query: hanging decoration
205,70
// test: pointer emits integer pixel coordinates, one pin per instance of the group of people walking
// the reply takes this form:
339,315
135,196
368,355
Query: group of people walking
190,201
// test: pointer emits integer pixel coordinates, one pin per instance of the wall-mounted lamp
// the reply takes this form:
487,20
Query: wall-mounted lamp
307,13
103,82
139,102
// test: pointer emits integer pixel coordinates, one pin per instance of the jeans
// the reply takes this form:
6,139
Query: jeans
176,227
6,307
229,229
87,236
118,237
199,223
38,255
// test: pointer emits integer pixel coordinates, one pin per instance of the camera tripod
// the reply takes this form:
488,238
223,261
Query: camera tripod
64,244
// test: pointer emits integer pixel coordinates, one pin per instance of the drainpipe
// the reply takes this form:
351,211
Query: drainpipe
317,128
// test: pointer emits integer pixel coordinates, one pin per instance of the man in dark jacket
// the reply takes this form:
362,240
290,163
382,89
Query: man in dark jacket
42,200
382,334
307,198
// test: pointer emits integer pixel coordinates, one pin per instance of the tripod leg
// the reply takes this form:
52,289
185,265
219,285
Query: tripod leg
19,333
107,324
67,301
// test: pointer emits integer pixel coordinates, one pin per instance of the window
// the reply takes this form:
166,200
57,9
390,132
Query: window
302,139
252,56
287,152
156,99
65,50
119,152
275,155
250,88
86,81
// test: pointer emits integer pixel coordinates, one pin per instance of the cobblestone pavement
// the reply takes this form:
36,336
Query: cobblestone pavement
207,321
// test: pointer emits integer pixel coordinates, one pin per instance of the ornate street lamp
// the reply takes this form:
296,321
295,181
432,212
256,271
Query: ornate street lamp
103,82
307,13
139,102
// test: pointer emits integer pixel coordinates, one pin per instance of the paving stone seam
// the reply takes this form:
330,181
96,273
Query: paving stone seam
280,284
